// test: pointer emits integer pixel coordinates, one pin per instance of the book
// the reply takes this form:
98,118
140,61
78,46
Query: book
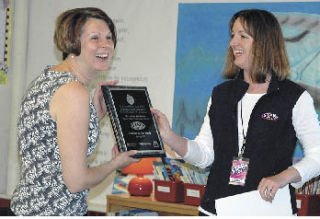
178,169
120,183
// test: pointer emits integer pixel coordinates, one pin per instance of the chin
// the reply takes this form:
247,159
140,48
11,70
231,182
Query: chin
102,68
240,65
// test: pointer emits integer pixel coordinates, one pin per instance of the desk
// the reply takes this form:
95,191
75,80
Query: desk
125,201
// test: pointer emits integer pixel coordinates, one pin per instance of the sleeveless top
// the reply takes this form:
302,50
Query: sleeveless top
41,189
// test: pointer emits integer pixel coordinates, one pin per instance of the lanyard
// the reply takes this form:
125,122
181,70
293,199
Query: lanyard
244,136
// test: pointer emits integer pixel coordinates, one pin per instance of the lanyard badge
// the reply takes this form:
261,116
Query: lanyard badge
240,165
239,171
239,168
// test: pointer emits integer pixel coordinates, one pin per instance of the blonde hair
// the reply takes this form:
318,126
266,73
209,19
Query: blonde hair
268,49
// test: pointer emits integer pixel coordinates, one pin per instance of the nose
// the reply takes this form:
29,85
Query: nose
233,41
107,43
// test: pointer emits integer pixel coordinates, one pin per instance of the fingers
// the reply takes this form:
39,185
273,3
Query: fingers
267,189
155,112
98,99
115,151
105,83
131,153
268,194
115,147
126,158
161,117
123,159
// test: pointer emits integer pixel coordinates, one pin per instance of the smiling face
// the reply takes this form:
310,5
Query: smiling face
97,46
241,45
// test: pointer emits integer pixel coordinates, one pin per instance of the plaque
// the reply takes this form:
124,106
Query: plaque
133,124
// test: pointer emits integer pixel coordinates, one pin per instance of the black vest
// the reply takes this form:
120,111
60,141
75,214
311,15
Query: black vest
271,138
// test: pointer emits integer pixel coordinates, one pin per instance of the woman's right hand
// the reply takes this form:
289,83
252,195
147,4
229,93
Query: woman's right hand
123,159
173,140
163,124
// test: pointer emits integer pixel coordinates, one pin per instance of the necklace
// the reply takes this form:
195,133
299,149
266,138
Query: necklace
244,135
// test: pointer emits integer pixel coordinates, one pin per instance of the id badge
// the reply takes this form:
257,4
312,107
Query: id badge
239,171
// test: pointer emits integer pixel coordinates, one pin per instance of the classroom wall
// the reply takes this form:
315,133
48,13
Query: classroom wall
4,128
10,96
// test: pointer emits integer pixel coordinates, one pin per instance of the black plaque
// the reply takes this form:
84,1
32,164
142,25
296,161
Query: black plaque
134,126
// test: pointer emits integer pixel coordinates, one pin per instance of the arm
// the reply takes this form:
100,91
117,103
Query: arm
98,99
306,125
269,186
172,139
70,107
199,151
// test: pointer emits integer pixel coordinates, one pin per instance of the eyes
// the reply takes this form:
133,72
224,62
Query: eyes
98,37
242,35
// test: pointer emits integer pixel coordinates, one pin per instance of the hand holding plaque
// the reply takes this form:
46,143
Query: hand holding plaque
134,126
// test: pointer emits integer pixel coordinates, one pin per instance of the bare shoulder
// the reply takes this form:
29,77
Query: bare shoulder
71,96
73,88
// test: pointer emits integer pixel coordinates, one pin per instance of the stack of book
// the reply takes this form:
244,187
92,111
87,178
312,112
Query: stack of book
178,169
120,183
311,187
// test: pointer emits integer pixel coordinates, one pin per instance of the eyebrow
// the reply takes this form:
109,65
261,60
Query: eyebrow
99,33
240,31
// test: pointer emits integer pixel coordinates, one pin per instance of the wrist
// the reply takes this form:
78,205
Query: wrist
169,137
290,175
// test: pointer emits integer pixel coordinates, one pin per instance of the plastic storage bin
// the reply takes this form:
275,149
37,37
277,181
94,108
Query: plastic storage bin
308,205
193,193
168,191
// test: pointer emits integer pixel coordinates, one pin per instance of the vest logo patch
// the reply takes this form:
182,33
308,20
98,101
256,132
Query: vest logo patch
270,116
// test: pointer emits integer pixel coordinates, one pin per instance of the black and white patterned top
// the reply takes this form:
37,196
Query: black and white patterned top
41,190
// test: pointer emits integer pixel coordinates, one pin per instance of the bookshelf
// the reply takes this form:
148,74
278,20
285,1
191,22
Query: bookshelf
117,202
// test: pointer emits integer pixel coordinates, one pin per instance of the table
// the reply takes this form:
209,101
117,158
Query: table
116,202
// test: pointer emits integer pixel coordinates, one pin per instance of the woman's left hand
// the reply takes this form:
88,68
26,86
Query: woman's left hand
269,186
98,99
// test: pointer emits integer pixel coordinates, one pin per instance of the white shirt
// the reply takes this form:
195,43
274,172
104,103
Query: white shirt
305,122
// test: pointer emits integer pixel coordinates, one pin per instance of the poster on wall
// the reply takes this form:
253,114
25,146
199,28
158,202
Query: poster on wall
202,42
5,37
